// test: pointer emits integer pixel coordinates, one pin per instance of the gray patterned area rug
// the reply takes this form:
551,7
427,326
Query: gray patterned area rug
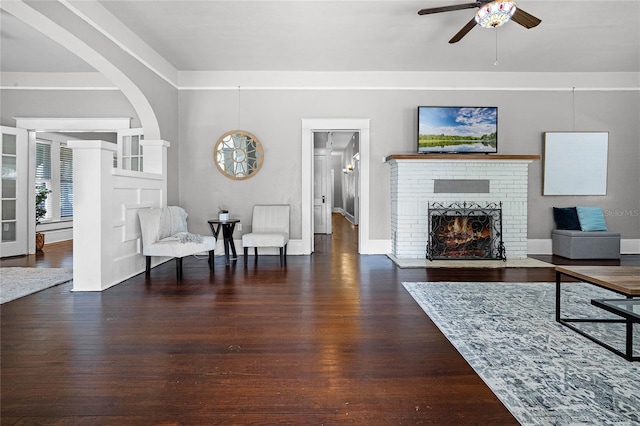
543,372
19,282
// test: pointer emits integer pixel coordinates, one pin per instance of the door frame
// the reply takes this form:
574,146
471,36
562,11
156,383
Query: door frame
309,126
52,125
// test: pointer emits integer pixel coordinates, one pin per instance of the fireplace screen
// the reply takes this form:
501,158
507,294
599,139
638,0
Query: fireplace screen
465,231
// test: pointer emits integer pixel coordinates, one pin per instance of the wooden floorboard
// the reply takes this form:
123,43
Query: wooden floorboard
331,338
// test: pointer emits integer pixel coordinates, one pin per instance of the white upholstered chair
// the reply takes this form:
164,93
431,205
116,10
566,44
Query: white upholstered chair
269,228
164,233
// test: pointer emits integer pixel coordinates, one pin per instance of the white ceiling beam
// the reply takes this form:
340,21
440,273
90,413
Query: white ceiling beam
93,13
71,42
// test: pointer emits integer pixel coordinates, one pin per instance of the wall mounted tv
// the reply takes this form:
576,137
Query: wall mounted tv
469,130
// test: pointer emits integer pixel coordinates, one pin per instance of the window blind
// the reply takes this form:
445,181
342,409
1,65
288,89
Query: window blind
43,172
66,182
43,162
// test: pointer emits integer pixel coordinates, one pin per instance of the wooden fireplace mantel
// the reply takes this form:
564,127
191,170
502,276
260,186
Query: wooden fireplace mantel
465,157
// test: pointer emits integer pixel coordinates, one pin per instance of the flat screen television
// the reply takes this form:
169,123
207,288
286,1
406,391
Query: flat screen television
469,130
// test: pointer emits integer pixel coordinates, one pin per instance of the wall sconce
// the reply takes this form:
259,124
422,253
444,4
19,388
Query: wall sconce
349,169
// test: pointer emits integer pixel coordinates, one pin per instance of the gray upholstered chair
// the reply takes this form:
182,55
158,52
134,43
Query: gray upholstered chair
165,234
269,228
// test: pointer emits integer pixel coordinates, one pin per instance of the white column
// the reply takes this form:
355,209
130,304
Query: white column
155,155
92,214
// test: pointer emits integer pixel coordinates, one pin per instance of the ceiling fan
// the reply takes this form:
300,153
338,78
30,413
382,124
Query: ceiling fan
490,14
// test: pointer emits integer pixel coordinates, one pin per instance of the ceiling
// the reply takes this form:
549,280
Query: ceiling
360,35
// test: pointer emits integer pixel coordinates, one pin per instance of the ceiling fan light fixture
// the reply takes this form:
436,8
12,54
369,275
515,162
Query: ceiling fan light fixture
496,13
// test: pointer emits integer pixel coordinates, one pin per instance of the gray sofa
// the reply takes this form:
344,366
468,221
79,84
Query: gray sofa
585,244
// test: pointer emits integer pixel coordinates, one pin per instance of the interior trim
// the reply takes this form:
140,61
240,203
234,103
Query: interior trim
309,125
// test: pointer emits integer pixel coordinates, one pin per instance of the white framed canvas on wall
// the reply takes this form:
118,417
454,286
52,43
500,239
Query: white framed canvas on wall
575,163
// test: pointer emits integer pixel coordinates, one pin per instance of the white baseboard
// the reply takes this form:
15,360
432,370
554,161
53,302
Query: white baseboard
629,246
539,246
57,235
294,248
376,247
542,246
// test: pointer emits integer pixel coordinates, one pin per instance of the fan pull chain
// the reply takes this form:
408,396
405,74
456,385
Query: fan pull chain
239,108
496,63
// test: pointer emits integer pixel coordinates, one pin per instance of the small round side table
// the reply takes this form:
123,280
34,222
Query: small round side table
227,226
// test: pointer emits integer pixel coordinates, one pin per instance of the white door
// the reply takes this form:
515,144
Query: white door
322,191
13,192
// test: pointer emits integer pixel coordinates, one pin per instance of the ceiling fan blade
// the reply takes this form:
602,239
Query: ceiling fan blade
450,8
525,19
463,32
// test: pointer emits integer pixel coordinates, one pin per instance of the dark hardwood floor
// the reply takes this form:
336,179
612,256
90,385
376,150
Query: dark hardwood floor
330,338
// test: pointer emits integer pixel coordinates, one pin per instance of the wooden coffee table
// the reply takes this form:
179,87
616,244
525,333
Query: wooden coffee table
624,280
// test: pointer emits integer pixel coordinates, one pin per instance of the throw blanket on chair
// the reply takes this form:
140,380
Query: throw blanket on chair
173,223
188,237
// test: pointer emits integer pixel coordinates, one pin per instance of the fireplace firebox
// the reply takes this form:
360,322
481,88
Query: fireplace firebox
466,231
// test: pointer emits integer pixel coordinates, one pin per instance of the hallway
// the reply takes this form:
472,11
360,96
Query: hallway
342,240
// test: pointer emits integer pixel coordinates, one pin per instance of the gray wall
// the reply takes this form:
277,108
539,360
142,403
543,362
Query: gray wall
60,103
274,117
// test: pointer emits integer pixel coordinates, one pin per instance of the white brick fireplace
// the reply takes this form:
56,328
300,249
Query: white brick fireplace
417,180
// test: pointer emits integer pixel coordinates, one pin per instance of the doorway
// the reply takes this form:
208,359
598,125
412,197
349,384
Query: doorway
309,126
73,128
336,178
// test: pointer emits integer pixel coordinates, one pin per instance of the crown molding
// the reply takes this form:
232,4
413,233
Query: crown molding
358,81
413,81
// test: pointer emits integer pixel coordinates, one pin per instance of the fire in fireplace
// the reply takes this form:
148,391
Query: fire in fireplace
465,231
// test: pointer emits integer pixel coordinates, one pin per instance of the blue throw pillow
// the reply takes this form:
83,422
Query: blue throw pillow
566,218
591,218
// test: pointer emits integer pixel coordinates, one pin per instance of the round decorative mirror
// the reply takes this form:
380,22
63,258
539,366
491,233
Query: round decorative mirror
238,155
